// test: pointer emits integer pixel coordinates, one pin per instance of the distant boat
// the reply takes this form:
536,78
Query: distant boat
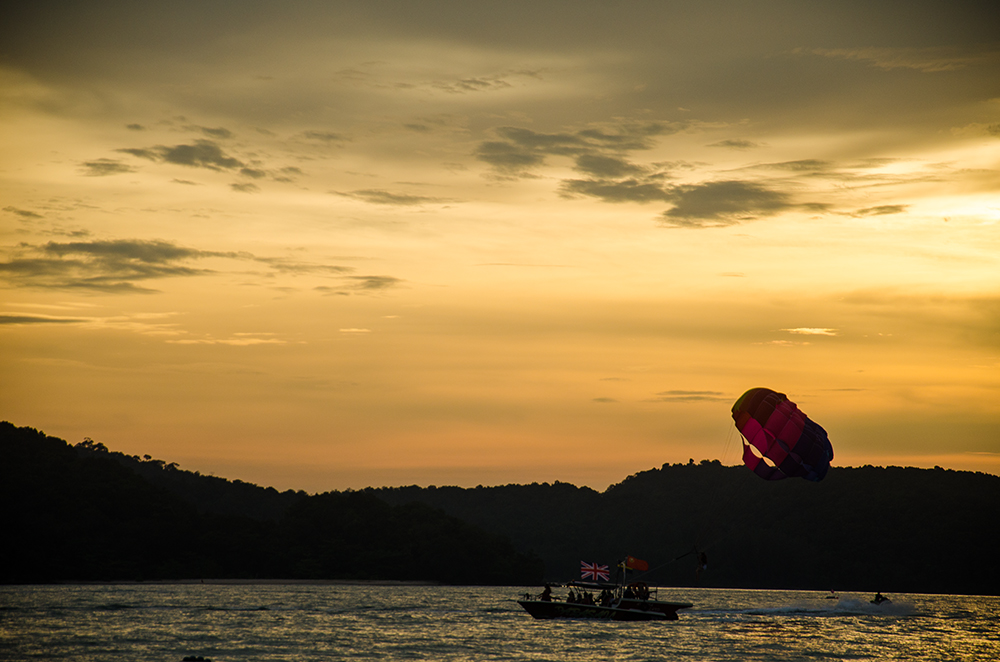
880,599
614,602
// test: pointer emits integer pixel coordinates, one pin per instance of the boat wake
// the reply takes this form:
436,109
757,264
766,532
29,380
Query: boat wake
843,607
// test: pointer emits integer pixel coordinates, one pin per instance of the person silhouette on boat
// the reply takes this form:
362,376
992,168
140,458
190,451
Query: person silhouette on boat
547,594
879,599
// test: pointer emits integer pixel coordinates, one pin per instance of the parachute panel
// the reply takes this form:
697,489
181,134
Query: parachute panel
793,444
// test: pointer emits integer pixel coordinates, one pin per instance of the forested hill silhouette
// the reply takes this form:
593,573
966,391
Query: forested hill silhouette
87,513
866,529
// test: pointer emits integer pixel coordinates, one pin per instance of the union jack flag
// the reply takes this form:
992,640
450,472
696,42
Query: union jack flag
594,571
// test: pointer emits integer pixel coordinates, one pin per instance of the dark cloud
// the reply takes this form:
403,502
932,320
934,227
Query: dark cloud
473,85
217,132
105,266
802,165
6,318
120,266
735,144
287,174
607,166
324,136
23,213
508,158
201,154
135,127
629,190
373,283
382,197
360,285
723,203
881,210
253,173
105,167
520,149
244,187
295,267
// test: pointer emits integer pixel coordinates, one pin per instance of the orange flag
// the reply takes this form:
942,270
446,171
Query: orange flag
633,563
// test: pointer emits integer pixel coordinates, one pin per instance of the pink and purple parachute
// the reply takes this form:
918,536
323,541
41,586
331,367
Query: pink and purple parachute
779,440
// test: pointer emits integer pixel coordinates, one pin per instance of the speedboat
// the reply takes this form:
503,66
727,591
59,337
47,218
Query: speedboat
614,602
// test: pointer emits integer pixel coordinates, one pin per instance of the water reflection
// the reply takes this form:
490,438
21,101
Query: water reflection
305,622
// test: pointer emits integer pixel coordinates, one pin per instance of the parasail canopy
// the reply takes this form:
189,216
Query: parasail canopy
779,440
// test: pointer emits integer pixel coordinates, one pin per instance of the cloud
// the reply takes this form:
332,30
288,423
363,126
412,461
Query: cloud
323,136
690,396
473,85
607,166
801,165
484,83
736,144
519,150
200,154
105,266
926,60
715,204
295,267
881,210
383,197
105,167
119,266
360,285
23,213
218,132
244,187
9,318
372,283
236,340
629,190
813,331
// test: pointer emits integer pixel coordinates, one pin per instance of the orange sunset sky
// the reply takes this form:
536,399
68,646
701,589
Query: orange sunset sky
329,245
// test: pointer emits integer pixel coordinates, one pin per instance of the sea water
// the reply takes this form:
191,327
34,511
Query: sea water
304,622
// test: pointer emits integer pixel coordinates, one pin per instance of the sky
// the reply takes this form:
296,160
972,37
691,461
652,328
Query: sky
331,245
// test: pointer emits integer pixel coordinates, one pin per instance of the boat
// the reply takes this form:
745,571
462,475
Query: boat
615,602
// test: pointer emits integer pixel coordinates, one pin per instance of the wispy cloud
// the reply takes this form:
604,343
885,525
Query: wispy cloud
123,265
383,197
736,144
105,167
690,396
15,318
813,331
881,210
23,213
926,60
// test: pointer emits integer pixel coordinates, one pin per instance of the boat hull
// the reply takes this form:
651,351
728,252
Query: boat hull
633,610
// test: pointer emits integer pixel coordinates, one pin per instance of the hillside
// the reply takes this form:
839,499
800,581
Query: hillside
867,529
88,514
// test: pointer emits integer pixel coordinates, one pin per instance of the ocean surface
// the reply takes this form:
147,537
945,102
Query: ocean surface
303,622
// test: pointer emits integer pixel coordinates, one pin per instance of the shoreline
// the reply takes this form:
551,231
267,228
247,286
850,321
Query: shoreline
248,582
